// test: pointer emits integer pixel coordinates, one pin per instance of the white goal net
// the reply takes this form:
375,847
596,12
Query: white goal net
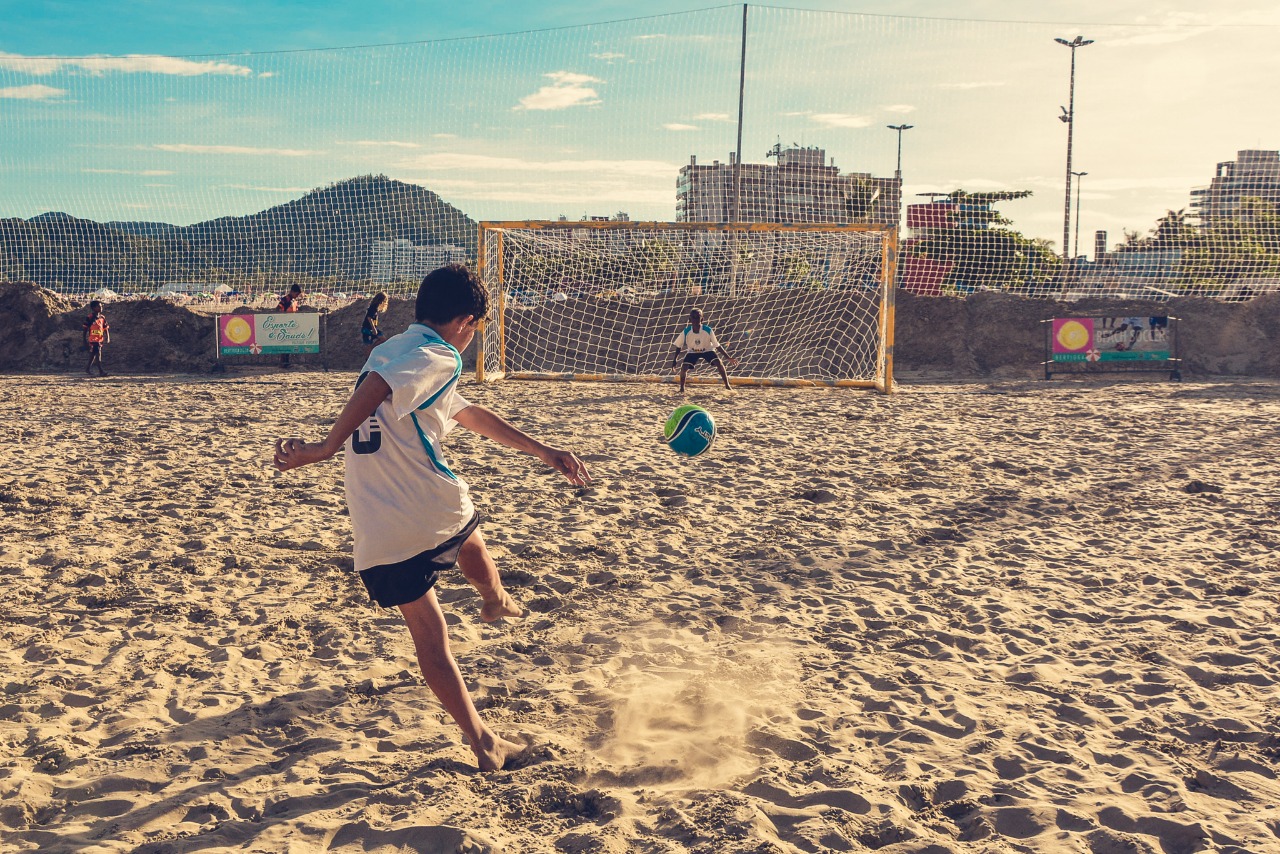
793,304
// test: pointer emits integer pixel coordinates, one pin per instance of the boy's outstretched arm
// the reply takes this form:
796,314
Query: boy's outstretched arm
292,453
489,424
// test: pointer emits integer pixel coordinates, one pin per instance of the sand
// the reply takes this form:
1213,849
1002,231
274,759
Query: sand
1008,616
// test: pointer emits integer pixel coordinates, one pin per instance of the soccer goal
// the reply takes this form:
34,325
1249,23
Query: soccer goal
606,300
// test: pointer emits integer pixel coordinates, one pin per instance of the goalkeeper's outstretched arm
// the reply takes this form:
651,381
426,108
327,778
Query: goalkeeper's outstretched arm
720,348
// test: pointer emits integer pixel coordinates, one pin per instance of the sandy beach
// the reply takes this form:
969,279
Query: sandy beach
1001,616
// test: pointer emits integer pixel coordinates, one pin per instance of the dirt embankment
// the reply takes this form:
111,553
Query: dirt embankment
981,335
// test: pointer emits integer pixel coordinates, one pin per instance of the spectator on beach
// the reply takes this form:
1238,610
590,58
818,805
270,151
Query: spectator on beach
411,516
289,302
97,334
698,343
369,332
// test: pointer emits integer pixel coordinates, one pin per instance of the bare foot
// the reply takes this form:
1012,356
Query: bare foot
501,605
494,752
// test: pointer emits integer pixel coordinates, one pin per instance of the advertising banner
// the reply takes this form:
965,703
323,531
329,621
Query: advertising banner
1110,339
251,334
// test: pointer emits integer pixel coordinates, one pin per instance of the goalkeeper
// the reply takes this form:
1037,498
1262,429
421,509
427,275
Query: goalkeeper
698,343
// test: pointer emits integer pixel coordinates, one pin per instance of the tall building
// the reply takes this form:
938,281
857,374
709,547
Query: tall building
801,187
1253,174
403,260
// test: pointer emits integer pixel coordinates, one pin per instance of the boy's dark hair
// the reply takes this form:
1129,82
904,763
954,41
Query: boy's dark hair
95,305
378,299
451,291
295,289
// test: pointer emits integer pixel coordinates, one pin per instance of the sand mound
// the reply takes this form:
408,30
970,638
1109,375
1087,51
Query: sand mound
983,335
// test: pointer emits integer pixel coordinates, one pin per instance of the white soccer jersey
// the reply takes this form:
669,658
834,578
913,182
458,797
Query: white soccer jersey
700,340
402,497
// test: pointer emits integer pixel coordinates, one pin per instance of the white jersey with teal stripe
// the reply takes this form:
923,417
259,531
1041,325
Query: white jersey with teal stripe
402,496
700,340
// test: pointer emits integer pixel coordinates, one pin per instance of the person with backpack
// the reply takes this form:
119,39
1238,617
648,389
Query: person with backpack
97,334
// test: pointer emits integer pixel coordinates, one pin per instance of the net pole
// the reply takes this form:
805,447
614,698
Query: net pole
483,331
502,304
888,302
736,215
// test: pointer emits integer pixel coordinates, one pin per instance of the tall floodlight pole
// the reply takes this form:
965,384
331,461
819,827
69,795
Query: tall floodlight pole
1069,116
897,173
1075,253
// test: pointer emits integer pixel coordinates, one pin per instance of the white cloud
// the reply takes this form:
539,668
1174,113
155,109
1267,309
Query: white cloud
570,89
899,108
586,191
268,189
267,74
842,120
607,56
389,143
678,126
444,136
148,172
34,92
131,64
973,84
235,149
481,163
713,117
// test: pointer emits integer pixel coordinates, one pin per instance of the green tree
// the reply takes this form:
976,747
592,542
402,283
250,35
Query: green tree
1227,250
984,253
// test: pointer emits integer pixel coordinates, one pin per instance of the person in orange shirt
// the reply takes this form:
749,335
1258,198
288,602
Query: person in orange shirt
97,334
289,304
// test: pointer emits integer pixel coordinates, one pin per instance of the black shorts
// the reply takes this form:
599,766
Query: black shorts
95,349
393,584
692,359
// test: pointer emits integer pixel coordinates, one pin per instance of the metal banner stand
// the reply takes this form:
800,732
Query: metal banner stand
1092,360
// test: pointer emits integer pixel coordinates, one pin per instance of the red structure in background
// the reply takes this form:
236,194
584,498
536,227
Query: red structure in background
917,274
932,215
922,276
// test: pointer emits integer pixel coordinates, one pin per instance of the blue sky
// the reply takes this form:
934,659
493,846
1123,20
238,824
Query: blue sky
180,111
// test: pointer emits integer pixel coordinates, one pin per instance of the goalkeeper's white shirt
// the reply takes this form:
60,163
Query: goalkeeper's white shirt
402,497
700,340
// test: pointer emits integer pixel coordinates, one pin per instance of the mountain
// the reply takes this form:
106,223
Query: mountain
319,240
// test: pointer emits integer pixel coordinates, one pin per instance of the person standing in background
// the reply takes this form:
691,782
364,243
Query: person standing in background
97,334
288,304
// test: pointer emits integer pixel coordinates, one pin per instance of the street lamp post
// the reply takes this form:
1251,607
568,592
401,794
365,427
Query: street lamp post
897,173
1075,253
1069,116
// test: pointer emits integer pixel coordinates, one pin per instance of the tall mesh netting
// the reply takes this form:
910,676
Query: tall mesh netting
1049,160
612,300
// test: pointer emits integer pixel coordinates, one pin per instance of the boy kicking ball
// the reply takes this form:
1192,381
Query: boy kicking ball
411,516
